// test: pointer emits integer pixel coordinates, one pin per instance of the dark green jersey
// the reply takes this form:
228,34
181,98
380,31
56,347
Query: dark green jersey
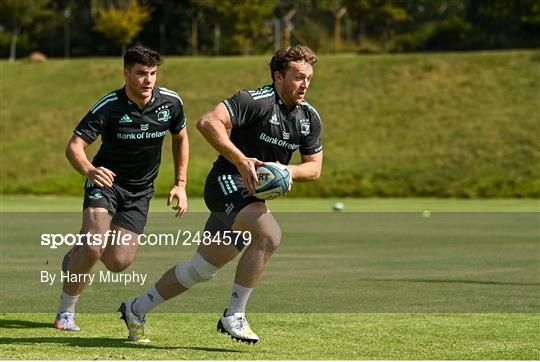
132,137
264,128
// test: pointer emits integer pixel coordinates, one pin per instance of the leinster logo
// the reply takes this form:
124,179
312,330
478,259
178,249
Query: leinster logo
163,114
304,127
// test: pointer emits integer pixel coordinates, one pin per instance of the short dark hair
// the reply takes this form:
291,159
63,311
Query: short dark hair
140,54
281,59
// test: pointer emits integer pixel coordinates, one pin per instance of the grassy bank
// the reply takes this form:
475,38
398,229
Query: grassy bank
445,125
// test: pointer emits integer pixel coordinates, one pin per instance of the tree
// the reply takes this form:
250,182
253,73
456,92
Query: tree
122,24
199,10
500,24
338,10
245,19
17,14
386,13
359,10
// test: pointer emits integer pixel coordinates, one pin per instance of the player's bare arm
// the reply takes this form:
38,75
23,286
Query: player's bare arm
309,169
75,153
213,126
180,150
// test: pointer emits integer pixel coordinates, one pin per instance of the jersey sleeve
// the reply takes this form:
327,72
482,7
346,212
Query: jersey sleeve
243,109
90,127
311,141
178,121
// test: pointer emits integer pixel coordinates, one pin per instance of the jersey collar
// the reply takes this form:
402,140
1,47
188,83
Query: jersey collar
123,95
286,111
282,105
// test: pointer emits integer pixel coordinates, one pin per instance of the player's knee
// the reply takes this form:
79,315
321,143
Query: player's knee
115,264
92,252
270,241
196,270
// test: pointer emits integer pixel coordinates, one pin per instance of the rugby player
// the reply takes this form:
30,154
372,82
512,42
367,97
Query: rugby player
267,125
132,122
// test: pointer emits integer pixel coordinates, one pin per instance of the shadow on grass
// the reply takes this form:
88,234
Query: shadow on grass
101,343
481,282
21,324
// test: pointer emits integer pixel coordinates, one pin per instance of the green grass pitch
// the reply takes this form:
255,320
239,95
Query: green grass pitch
380,281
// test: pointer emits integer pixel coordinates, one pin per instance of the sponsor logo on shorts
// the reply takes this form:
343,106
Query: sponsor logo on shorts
245,193
274,120
229,207
95,195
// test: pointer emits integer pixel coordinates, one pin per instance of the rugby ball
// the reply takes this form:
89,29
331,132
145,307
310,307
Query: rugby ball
274,180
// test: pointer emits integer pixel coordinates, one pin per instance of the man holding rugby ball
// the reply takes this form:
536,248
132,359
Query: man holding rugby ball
267,125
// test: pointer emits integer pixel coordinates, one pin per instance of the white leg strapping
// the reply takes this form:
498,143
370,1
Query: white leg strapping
194,271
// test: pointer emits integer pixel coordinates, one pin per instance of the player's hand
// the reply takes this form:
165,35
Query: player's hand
101,176
290,175
246,168
290,178
178,193
290,181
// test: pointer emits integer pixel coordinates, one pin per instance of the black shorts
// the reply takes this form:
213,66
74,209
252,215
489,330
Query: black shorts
225,195
130,208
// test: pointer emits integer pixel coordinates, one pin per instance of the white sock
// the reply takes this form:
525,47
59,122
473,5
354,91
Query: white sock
146,302
67,303
239,299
